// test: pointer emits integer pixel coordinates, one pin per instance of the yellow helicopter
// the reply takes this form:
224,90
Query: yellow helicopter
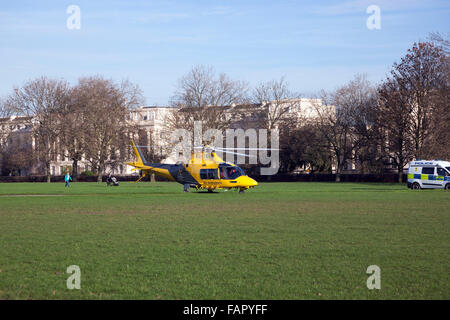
205,170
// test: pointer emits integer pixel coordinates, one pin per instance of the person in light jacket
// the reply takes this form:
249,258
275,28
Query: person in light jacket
67,178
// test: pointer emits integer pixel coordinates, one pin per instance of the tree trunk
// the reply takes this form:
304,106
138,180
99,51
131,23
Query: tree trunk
400,175
338,173
74,170
100,172
338,177
338,168
47,169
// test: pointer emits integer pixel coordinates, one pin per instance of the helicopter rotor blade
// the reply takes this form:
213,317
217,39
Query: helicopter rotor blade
236,153
220,148
230,150
247,149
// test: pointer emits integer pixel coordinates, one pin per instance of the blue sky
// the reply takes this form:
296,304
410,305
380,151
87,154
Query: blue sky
314,44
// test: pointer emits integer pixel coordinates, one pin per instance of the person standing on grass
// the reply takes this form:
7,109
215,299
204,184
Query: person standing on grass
67,178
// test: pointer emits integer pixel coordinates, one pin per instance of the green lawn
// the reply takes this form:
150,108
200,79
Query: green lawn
278,241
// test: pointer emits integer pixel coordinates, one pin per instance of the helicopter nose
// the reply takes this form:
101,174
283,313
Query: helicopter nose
248,182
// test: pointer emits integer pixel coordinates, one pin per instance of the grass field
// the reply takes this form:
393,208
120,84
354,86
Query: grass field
278,241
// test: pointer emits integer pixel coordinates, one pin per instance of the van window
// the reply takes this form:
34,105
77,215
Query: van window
441,172
427,170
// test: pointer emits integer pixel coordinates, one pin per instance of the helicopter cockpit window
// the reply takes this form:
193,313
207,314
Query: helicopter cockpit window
231,172
208,174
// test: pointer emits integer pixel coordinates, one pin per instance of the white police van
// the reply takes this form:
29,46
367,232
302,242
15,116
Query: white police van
424,174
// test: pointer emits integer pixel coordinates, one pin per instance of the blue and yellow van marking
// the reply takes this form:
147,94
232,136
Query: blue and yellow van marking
427,177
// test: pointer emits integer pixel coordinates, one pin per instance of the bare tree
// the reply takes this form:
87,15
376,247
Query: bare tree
42,99
304,147
441,41
395,118
359,98
439,143
346,118
5,111
7,167
203,96
201,88
105,108
438,146
73,135
16,157
336,128
420,75
413,106
212,117
275,101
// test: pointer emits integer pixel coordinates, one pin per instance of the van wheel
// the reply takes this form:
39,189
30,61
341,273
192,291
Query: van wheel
447,186
415,186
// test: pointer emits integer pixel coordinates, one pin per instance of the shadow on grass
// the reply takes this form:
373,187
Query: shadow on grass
205,192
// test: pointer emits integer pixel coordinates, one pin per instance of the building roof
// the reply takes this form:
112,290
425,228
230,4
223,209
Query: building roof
155,107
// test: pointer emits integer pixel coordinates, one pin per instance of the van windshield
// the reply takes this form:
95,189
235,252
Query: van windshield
448,169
